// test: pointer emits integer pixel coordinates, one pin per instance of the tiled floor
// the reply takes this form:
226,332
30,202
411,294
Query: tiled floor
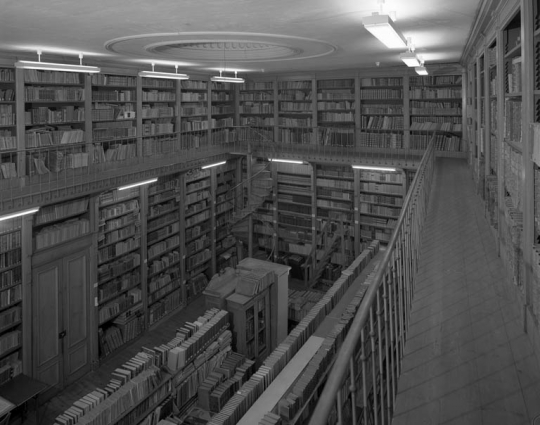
467,359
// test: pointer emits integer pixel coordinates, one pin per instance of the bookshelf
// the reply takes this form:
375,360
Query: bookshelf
8,124
380,201
492,57
295,214
336,112
435,104
114,125
222,110
165,289
195,113
197,219
382,105
225,245
335,204
60,223
55,136
11,317
297,111
120,308
159,116
258,107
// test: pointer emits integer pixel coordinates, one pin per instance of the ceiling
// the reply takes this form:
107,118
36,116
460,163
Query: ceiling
251,36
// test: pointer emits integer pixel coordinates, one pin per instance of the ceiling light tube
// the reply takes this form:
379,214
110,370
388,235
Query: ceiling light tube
382,27
167,75
19,214
367,167
129,186
288,161
213,165
410,59
222,79
49,66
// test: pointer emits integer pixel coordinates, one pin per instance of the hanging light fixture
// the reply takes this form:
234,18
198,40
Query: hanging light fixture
421,70
168,75
410,57
382,26
370,168
223,79
49,66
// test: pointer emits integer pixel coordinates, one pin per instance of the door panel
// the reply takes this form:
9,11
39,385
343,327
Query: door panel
47,316
76,348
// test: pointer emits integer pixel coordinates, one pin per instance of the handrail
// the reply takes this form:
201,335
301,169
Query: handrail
372,299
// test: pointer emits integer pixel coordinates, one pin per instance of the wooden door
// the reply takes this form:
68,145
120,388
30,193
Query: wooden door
47,323
60,298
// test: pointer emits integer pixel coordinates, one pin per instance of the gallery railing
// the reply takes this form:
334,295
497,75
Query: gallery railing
362,384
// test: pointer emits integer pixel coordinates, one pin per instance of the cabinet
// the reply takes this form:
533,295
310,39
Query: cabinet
8,125
251,322
120,308
114,128
11,272
54,115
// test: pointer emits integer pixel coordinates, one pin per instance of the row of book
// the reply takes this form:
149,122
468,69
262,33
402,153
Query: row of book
9,241
382,140
158,96
7,141
10,277
113,288
53,136
164,306
10,296
240,402
55,94
62,232
387,189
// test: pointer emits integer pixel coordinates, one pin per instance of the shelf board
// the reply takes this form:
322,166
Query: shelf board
514,51
56,220
197,265
162,238
116,257
163,270
7,268
117,294
437,99
10,326
204,232
104,220
167,293
378,226
160,254
55,123
382,182
191,254
382,204
102,281
115,242
187,215
516,94
11,350
114,316
334,199
516,146
14,303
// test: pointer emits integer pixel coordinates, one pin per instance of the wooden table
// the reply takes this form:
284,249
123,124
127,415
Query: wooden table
21,389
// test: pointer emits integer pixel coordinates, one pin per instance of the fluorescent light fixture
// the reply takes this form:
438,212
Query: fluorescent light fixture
19,214
421,70
49,66
129,186
222,79
410,59
382,27
367,167
288,161
168,75
213,165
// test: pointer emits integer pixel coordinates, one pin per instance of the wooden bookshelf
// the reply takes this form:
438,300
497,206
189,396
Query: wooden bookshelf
297,111
121,316
11,315
382,99
8,124
55,136
114,124
222,110
258,107
224,180
196,120
197,219
165,289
